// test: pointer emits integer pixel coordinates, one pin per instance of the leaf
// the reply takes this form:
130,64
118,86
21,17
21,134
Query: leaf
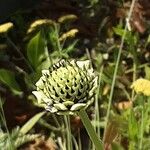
13,140
148,41
8,78
28,126
129,37
45,64
132,126
147,72
53,37
36,50
71,47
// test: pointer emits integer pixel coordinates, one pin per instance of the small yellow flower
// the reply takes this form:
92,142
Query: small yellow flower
65,18
141,86
4,28
38,23
70,33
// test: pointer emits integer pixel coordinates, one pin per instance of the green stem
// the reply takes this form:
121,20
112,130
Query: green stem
116,67
97,109
2,117
134,78
68,131
18,51
90,130
141,132
143,114
79,140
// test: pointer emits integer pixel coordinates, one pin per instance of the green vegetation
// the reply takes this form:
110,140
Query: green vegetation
110,95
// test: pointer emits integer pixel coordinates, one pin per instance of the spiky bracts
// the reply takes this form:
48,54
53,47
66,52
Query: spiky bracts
66,88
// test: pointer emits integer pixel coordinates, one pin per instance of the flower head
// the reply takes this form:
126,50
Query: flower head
70,33
141,86
4,28
38,23
66,88
67,18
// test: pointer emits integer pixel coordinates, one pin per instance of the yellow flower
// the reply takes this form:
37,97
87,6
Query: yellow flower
4,28
70,33
38,23
69,17
141,86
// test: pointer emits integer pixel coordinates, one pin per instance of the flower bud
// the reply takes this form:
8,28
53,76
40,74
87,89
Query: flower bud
66,88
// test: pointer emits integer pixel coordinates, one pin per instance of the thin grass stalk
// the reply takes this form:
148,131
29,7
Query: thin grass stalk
59,125
117,65
68,133
135,64
131,145
97,110
56,121
18,51
142,126
76,145
88,55
79,140
61,144
138,67
2,115
90,146
134,78
97,116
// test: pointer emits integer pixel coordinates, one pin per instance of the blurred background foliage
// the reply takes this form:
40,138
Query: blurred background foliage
46,31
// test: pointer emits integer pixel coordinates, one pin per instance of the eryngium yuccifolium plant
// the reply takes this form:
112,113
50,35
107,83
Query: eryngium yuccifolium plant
67,88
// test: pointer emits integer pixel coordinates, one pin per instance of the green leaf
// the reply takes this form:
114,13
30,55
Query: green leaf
133,126
130,38
53,37
28,126
8,78
36,50
147,72
148,41
71,47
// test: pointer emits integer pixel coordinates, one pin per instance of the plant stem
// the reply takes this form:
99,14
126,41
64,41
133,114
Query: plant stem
117,65
79,140
68,131
90,130
142,126
18,51
97,109
2,117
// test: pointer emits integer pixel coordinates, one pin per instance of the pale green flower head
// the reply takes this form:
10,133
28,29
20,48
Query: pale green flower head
67,88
